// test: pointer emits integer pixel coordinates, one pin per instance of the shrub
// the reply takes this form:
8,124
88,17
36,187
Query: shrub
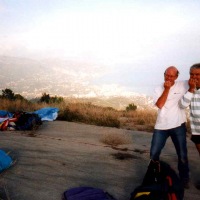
115,139
69,115
131,107
48,99
8,94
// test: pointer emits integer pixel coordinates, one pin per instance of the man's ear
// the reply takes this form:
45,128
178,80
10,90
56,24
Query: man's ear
176,77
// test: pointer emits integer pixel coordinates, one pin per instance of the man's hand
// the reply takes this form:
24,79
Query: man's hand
168,84
192,84
162,99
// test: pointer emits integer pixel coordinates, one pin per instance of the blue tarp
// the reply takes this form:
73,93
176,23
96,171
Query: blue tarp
4,113
46,114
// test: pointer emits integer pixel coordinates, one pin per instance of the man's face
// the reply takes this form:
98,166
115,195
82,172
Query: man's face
195,74
171,76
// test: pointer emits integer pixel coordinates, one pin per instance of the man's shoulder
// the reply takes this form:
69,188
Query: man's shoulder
183,84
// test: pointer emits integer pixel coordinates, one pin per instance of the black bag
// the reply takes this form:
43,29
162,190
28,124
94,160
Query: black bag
160,183
28,121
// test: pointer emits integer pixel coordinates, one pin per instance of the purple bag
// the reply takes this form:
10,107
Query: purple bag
86,193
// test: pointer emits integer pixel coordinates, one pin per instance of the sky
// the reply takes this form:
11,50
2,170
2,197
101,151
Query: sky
133,41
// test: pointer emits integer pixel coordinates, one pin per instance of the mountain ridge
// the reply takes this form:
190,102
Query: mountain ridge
69,79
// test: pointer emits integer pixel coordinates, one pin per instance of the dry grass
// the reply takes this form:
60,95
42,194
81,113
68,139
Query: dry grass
115,139
20,105
139,120
90,114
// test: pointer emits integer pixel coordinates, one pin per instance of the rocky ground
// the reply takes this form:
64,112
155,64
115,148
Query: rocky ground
61,155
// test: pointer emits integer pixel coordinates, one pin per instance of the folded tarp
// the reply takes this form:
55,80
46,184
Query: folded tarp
47,114
4,113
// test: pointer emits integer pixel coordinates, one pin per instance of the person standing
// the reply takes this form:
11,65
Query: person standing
192,99
171,121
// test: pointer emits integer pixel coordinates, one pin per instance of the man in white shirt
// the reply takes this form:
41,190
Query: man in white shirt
171,121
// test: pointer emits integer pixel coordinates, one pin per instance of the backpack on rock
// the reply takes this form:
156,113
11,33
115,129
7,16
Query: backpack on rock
160,183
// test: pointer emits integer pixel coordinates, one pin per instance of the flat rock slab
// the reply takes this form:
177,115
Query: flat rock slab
61,155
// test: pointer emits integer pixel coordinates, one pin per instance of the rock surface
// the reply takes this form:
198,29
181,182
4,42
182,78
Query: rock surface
62,155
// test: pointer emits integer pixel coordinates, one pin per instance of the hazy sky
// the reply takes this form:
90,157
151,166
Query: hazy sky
133,40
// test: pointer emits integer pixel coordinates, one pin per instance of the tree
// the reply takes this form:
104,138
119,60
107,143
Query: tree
20,97
131,107
45,98
8,94
56,99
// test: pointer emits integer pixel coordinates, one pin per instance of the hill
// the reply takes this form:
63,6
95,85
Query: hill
73,80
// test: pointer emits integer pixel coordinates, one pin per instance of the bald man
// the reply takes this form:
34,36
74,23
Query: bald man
171,121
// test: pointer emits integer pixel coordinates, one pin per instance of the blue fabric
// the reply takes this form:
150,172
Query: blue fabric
5,161
47,114
4,113
178,136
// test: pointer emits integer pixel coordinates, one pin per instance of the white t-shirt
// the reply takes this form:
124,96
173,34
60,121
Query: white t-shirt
171,115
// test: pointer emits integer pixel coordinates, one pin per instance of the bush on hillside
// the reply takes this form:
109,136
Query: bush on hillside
131,107
48,99
10,95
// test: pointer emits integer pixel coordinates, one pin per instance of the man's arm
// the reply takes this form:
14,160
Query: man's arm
186,99
163,98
